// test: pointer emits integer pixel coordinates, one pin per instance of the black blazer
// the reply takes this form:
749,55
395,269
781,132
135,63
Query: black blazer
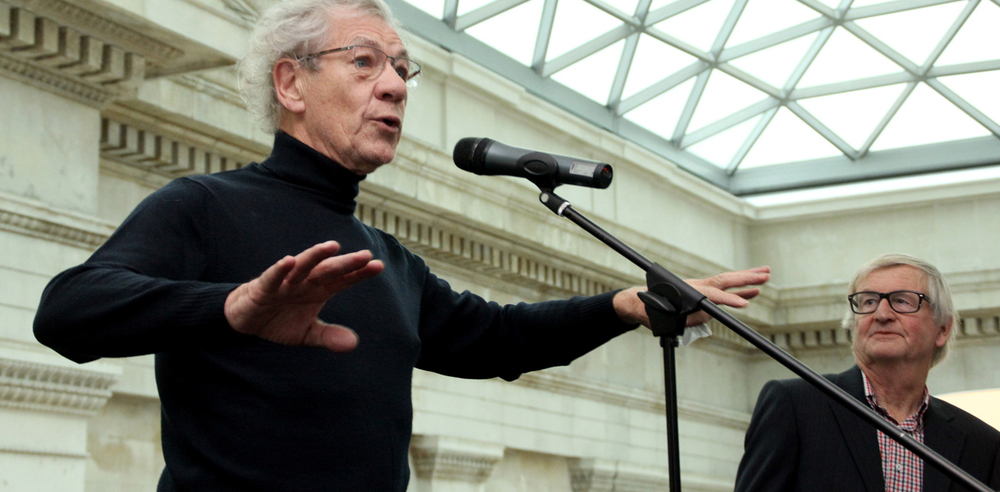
801,440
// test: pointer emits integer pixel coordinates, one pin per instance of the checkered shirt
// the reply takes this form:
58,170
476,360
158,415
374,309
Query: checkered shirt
903,470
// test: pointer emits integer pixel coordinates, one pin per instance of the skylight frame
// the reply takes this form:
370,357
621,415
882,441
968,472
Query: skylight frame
854,165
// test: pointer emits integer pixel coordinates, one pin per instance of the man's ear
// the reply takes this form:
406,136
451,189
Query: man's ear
288,85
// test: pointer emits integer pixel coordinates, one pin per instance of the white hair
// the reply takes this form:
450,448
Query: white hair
292,29
938,294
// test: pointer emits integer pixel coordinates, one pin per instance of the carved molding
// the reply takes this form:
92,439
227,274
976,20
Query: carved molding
596,475
149,146
617,395
29,218
59,57
450,458
35,386
89,22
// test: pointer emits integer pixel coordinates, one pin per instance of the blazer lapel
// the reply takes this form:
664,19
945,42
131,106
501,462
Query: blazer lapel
944,438
861,437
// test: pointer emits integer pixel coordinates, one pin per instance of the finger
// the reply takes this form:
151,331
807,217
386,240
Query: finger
270,281
724,298
308,259
697,318
331,270
371,269
335,338
747,293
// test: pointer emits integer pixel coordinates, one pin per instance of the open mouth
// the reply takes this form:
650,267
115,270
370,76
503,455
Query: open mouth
391,122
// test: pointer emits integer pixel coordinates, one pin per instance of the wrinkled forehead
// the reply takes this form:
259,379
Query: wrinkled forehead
356,27
894,277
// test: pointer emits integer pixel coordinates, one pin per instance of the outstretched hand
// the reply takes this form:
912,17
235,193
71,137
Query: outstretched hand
282,304
632,310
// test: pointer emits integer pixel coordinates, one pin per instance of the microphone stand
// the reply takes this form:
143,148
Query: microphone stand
669,300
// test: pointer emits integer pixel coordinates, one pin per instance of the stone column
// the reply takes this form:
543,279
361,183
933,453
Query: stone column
449,464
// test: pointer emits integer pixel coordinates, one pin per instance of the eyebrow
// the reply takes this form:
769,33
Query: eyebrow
365,41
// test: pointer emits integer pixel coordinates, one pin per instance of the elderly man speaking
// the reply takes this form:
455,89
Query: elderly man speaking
902,317
286,331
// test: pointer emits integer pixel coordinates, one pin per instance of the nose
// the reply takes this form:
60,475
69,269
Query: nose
884,310
390,86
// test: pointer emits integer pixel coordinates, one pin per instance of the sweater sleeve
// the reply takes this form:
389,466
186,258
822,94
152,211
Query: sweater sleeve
463,335
140,292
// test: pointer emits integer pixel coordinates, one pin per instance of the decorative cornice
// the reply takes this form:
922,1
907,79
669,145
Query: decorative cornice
35,386
53,81
88,22
449,458
46,50
30,218
149,146
631,398
596,475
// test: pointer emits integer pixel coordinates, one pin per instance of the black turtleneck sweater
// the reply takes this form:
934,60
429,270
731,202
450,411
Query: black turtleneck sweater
243,414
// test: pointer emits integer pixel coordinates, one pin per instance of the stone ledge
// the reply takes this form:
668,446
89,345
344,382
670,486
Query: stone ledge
31,218
455,459
43,387
648,401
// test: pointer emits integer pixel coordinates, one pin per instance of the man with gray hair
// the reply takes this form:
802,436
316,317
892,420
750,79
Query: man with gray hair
259,389
901,316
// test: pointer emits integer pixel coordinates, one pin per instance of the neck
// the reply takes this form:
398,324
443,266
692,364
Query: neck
898,388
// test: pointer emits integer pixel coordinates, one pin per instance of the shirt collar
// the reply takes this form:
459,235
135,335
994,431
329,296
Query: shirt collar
912,423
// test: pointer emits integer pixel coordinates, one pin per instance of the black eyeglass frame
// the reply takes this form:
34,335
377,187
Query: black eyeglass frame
851,299
393,59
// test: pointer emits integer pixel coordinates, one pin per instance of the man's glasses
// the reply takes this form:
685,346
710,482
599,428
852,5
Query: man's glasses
901,301
370,62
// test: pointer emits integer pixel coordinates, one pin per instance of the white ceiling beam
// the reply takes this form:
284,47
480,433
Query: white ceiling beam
485,12
589,48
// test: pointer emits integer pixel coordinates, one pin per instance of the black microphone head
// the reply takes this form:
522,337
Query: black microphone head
465,153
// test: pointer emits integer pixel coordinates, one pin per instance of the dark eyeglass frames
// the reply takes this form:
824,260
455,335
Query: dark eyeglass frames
370,61
901,301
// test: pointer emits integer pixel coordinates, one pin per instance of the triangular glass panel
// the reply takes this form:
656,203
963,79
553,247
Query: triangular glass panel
913,33
660,3
719,149
853,115
979,89
660,114
466,6
977,40
698,26
654,61
593,75
775,64
627,6
927,117
763,17
845,57
433,7
724,95
788,139
575,23
496,31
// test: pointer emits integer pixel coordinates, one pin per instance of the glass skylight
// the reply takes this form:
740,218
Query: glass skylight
752,85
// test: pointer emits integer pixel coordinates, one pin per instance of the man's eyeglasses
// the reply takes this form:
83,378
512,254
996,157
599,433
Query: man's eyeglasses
370,62
901,301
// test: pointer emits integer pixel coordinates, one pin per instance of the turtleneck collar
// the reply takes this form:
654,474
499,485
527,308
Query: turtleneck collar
299,164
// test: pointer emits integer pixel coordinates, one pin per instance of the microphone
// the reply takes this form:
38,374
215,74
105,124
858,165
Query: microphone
487,157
